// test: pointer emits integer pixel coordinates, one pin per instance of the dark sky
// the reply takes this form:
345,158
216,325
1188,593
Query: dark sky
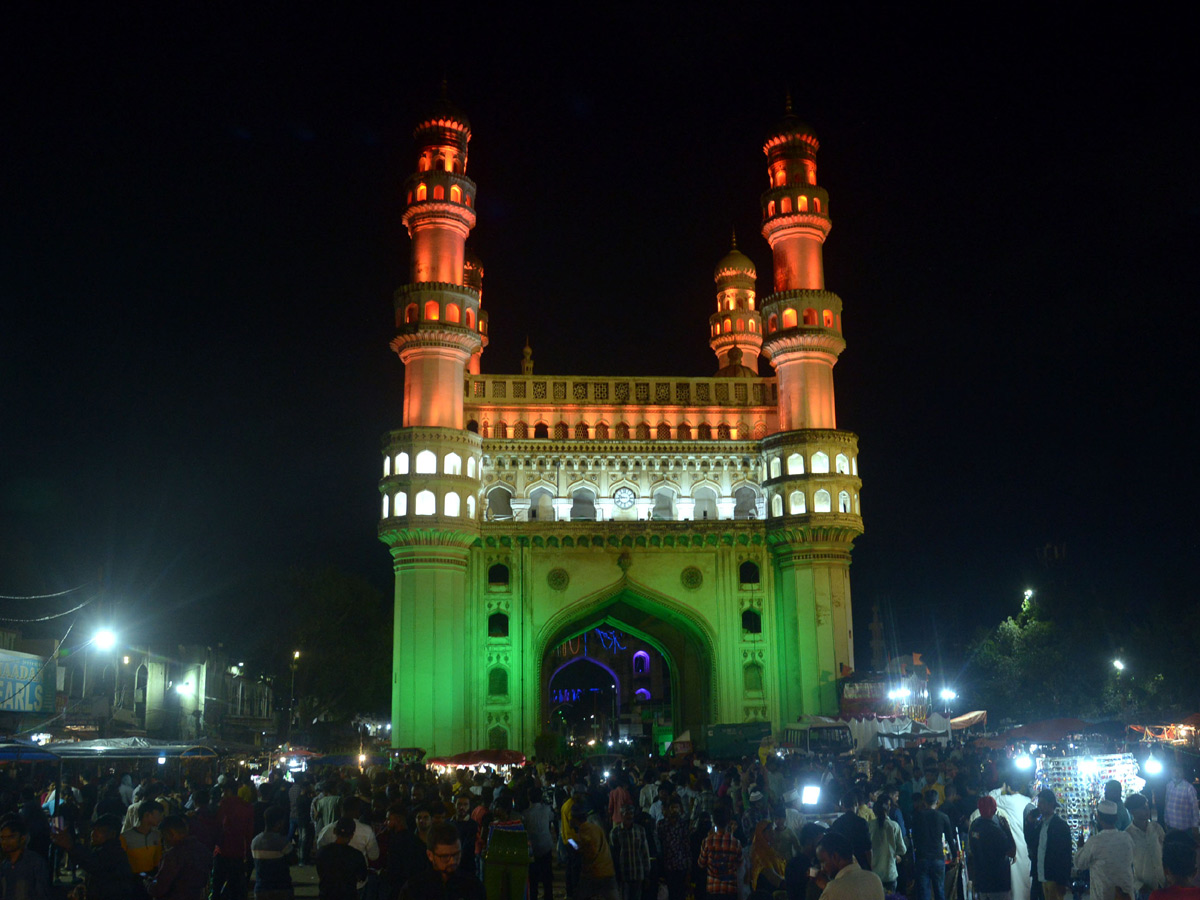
201,234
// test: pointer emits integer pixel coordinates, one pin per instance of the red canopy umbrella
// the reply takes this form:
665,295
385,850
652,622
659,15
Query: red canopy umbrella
1048,730
482,758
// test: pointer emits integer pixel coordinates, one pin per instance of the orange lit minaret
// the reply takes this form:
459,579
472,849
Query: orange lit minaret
813,484
736,323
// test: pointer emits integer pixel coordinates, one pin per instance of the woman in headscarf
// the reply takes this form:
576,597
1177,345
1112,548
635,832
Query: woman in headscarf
765,872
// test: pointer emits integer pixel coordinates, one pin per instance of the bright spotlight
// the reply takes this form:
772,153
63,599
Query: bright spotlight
1028,593
1088,767
948,694
810,794
1153,766
1024,761
606,775
184,689
362,758
162,760
1119,665
105,639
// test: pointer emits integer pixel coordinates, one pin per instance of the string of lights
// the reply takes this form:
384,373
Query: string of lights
48,618
44,596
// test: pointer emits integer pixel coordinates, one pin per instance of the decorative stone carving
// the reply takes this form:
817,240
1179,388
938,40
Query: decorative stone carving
558,579
691,578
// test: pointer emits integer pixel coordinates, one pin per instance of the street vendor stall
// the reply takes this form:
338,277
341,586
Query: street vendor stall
191,760
475,759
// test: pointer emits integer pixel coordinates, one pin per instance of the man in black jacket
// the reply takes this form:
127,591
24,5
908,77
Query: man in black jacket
854,828
107,875
1049,839
992,850
930,825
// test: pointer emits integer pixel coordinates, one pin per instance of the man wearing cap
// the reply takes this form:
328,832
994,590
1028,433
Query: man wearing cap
1049,840
1147,837
1107,855
992,850
567,834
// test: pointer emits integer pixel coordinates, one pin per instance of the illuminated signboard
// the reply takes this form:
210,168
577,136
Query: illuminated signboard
26,682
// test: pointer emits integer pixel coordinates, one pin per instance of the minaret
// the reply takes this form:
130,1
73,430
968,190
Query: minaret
813,485
473,278
736,323
431,465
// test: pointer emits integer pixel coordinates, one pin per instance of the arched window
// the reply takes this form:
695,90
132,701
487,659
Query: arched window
452,505
641,694
781,178
723,432
452,312
802,204
741,324
426,504
842,464
400,504
601,431
485,430
453,464
521,431
470,319
810,316
541,430
422,192
541,505
664,505
753,326
844,502
401,463
410,313
498,625
820,463
785,205
751,622
439,163
431,310
497,738
776,467
439,192
641,663
704,432
470,467
684,432
497,682
583,505
387,466
643,431
423,164
622,431
408,198
796,504
662,432
385,505
581,431
499,500
727,325
706,504
752,678
795,464
857,511
498,573
827,318
748,573
772,323
560,431
770,208
816,204
455,194
821,501
426,463
854,466
470,506
789,318
777,505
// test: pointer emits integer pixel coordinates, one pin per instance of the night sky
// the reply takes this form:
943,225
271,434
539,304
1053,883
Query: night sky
201,236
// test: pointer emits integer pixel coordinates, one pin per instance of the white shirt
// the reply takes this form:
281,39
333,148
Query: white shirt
1108,855
1147,856
363,840
854,883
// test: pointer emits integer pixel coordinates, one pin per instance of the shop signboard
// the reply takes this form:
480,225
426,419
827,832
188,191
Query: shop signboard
27,682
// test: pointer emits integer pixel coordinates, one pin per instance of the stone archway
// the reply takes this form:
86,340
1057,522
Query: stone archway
676,632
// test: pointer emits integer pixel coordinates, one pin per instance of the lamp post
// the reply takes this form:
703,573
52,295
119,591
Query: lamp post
295,664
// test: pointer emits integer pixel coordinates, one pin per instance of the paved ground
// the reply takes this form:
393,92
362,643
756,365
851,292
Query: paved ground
304,878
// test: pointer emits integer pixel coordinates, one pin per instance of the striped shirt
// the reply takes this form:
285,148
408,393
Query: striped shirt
720,857
631,851
272,872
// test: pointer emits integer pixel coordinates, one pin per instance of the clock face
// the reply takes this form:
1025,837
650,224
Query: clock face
623,498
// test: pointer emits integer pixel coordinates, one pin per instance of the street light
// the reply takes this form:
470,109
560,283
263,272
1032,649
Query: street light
105,639
292,696
1153,766
948,695
1119,665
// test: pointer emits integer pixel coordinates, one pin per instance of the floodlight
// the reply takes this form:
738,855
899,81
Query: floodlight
1153,766
810,794
1024,761
105,639
948,694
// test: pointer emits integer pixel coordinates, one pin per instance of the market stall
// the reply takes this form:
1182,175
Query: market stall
189,760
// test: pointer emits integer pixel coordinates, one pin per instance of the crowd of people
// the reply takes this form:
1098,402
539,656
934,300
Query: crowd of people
633,832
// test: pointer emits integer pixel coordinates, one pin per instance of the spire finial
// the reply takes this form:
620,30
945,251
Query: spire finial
733,238
787,104
446,87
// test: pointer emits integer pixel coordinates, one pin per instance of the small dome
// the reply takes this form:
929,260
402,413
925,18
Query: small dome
733,263
443,110
735,369
790,126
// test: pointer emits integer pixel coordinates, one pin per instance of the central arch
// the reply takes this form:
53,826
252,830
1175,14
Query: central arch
677,632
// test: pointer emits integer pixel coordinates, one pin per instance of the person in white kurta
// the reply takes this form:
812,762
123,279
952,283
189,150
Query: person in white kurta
1108,856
